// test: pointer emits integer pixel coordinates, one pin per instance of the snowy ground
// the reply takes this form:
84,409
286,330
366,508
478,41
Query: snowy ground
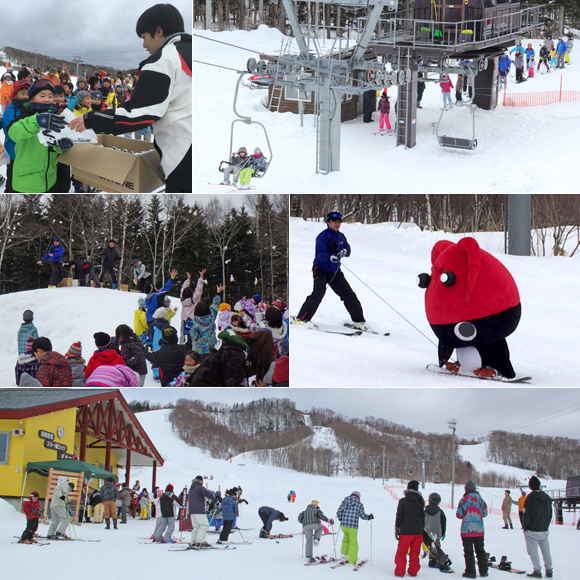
66,315
388,258
508,138
263,559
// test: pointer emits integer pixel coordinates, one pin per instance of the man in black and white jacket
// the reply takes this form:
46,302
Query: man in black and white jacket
161,99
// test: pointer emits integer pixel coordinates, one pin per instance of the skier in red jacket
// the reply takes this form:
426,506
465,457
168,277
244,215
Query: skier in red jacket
32,510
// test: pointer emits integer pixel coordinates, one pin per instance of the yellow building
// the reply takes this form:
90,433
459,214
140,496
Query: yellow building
91,425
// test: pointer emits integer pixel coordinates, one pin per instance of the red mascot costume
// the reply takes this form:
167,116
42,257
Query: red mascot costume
472,304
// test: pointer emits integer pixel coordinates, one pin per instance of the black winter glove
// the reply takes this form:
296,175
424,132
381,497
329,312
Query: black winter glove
397,532
371,517
62,498
64,144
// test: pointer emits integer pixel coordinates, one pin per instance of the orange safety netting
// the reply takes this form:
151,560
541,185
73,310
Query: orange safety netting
540,98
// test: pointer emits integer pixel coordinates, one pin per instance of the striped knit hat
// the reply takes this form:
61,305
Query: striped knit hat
141,302
75,350
29,342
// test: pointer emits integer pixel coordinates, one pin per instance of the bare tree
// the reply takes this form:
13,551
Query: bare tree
223,230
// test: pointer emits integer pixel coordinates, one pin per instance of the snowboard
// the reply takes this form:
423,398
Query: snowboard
442,559
279,536
443,371
504,570
503,563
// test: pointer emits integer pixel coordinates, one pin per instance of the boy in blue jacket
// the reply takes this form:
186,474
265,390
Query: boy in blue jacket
54,255
331,247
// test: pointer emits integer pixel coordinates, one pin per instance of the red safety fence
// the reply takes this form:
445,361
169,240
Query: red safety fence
540,98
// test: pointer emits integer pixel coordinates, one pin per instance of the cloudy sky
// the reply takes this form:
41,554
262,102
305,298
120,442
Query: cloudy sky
100,32
551,412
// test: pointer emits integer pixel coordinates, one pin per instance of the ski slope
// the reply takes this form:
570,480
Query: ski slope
505,160
263,559
387,258
66,315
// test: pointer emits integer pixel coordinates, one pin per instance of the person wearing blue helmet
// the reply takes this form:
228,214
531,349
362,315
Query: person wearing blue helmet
331,247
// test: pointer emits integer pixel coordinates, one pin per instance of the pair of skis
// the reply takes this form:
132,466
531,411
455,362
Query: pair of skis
347,329
389,132
198,549
235,187
357,567
65,539
317,560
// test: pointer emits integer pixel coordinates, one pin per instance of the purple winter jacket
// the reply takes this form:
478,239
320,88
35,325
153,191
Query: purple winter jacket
197,495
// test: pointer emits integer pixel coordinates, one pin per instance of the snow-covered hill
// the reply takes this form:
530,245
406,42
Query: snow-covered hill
263,559
388,257
65,315
508,138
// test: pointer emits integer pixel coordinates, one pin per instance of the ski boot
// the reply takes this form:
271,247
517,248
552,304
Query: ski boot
534,574
51,537
61,536
204,545
452,367
487,373
362,326
224,182
263,533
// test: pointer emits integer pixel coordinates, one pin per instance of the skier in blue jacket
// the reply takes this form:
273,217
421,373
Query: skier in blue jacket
504,66
331,247
54,255
561,49
529,52
269,515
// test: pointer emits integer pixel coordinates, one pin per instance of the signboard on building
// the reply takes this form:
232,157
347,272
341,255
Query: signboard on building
56,446
46,435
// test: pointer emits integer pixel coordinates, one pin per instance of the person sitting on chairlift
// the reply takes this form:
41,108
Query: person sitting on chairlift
256,163
237,162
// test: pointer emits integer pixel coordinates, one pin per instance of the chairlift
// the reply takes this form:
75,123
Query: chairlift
457,142
248,121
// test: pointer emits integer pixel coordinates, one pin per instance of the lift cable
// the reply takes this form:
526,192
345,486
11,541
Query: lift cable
227,43
220,66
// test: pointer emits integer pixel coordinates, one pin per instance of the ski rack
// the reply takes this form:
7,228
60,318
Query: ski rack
248,121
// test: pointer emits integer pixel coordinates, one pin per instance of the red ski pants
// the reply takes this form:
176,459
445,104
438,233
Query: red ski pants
412,545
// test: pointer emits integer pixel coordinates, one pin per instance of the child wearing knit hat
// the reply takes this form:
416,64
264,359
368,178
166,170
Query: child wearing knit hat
75,359
224,316
26,362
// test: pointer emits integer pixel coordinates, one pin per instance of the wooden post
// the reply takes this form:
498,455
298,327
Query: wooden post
128,467
83,449
108,457
154,480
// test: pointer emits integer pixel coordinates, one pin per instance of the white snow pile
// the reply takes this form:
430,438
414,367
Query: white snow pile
508,138
66,315
263,559
386,259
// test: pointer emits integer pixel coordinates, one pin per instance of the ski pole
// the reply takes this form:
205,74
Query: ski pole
333,541
302,546
371,542
391,307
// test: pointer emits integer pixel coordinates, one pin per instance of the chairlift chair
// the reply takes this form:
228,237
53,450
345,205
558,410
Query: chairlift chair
457,142
248,121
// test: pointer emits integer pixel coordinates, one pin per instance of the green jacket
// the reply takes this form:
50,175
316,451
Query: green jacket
34,163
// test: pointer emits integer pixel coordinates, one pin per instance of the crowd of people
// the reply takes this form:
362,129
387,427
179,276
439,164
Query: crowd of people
214,344
413,521
156,97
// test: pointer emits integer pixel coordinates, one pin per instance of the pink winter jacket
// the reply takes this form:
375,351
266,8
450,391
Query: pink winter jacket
114,377
446,86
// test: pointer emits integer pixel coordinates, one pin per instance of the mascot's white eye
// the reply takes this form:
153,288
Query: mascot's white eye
465,331
423,280
447,278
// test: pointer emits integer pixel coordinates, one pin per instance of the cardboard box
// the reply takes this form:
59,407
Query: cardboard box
124,287
115,171
66,283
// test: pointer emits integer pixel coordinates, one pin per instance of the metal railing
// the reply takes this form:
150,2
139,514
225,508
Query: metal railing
406,30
